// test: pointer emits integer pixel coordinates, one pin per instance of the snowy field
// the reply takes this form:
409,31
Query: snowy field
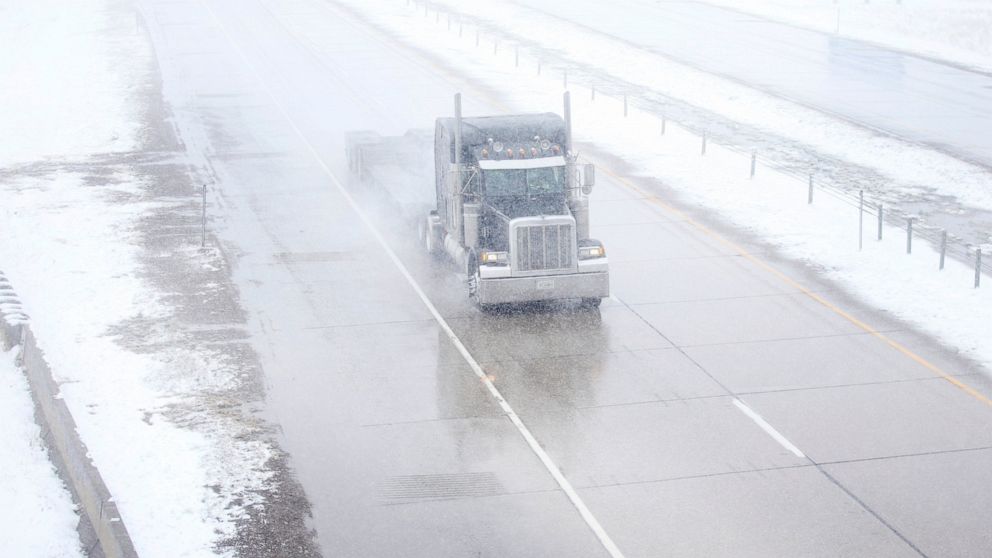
958,31
773,205
75,195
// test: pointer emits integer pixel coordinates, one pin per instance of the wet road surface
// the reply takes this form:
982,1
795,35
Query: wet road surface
919,100
712,408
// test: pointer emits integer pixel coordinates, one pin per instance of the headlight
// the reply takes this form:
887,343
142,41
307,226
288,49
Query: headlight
591,252
494,258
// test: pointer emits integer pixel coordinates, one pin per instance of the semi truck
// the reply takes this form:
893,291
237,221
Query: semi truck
511,205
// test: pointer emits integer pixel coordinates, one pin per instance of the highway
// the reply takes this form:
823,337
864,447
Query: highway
724,402
914,98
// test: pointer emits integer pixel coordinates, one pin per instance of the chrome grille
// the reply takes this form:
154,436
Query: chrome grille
540,247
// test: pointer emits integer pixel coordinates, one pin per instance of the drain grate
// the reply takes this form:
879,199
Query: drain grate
413,488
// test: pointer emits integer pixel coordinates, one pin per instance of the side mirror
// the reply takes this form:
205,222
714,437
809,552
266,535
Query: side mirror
588,178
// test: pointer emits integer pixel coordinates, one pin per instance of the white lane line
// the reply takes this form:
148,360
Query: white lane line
767,428
546,460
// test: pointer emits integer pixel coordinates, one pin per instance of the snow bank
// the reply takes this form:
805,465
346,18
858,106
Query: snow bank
37,516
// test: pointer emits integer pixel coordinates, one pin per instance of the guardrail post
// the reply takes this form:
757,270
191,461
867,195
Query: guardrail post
704,145
625,105
943,247
754,160
880,210
909,236
861,220
809,199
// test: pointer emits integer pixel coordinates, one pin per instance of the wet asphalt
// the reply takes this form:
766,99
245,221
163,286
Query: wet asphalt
647,406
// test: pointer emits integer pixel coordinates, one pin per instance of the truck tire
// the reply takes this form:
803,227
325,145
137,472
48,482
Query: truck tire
427,236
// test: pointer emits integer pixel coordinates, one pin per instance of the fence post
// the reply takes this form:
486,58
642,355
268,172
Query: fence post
809,200
943,247
704,145
978,267
625,105
909,236
754,159
593,88
664,121
203,220
861,219
880,221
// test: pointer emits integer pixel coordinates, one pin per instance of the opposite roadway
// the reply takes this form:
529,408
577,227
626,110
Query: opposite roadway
920,100
723,404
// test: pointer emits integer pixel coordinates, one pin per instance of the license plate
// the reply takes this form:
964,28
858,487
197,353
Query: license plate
545,284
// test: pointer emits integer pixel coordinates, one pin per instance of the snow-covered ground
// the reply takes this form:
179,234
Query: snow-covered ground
773,205
74,200
38,516
958,31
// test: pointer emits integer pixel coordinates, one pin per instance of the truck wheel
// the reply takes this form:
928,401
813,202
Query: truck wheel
591,302
426,237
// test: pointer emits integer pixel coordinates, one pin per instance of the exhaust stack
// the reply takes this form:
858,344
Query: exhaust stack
568,122
458,128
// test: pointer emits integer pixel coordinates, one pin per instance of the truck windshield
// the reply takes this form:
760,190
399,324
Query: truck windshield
529,182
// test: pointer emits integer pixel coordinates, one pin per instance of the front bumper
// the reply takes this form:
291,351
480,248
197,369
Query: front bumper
544,287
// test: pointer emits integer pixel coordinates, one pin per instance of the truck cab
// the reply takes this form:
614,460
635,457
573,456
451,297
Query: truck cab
513,209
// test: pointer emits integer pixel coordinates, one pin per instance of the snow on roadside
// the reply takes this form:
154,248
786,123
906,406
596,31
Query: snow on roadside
958,31
824,235
59,78
73,200
78,279
38,516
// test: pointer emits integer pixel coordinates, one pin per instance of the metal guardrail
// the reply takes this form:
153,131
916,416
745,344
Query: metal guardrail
948,245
